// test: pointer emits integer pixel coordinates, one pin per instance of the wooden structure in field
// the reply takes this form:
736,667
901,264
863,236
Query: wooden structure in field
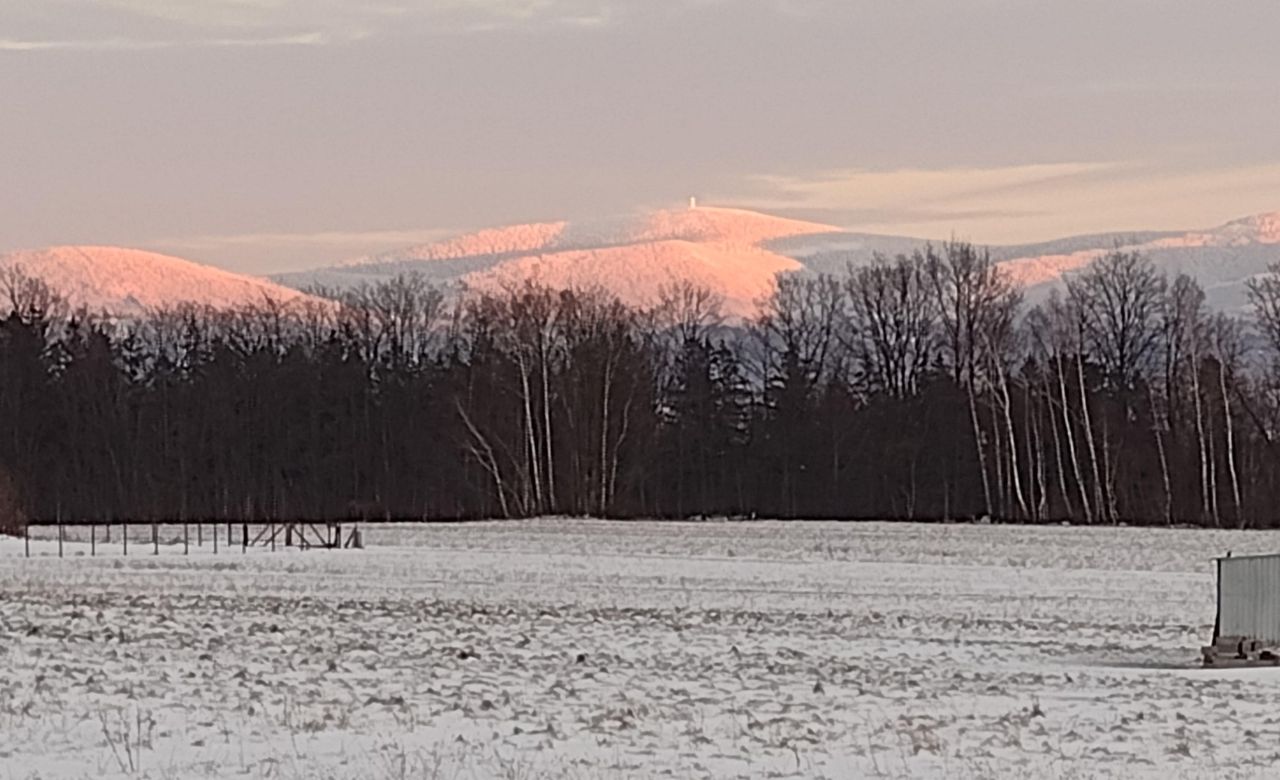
328,536
1246,631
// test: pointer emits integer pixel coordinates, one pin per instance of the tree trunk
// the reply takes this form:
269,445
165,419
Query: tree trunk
1207,509
1156,420
1057,451
1230,434
1088,435
1015,479
982,455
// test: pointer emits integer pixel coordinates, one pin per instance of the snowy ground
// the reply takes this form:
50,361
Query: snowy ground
602,650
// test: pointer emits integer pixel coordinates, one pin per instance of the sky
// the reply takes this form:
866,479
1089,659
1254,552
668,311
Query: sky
273,135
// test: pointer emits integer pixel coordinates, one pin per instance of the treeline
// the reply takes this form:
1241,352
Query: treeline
917,387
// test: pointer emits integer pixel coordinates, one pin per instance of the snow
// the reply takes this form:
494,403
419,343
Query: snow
702,225
126,282
1190,252
1258,229
631,257
565,648
738,253
733,252
494,242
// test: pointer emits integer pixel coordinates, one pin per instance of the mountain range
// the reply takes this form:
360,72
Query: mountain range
733,252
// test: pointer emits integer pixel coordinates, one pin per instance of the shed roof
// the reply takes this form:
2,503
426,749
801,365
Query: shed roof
1247,557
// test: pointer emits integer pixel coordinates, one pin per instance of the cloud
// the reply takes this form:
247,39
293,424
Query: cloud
127,44
1010,204
140,25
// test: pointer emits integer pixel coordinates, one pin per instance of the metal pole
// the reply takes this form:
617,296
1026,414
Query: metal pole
273,537
59,536
93,539
186,540
124,536
215,540
199,534
26,538
155,538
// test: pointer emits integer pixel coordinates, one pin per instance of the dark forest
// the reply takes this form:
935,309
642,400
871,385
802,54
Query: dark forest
918,387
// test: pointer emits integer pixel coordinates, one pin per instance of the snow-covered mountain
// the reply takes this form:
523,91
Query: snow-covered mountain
726,250
1221,259
733,252
125,282
737,254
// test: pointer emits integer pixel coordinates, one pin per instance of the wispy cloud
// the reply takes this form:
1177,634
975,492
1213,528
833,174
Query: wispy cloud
128,44
909,186
1021,202
141,25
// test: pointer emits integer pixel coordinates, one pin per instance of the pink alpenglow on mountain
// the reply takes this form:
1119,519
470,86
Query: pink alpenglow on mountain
1258,229
720,249
125,282
1198,252
497,241
1043,269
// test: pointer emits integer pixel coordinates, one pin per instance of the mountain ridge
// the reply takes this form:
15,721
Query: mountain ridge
733,252
736,252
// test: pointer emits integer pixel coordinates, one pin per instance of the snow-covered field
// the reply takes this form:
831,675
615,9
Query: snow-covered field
598,650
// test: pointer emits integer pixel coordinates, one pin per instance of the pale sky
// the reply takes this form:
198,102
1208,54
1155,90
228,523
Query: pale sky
268,135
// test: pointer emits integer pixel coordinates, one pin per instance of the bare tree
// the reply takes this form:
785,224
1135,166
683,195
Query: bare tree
1056,337
689,311
893,324
1264,298
29,297
977,305
798,323
1120,298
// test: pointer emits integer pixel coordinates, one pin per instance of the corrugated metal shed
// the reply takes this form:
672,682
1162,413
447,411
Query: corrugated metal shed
1249,597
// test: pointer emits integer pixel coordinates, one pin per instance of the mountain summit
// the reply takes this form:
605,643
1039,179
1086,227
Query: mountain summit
725,250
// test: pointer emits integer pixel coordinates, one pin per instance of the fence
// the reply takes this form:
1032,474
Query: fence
213,537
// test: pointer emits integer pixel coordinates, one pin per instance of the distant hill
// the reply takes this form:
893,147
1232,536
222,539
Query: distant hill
127,282
737,254
726,250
